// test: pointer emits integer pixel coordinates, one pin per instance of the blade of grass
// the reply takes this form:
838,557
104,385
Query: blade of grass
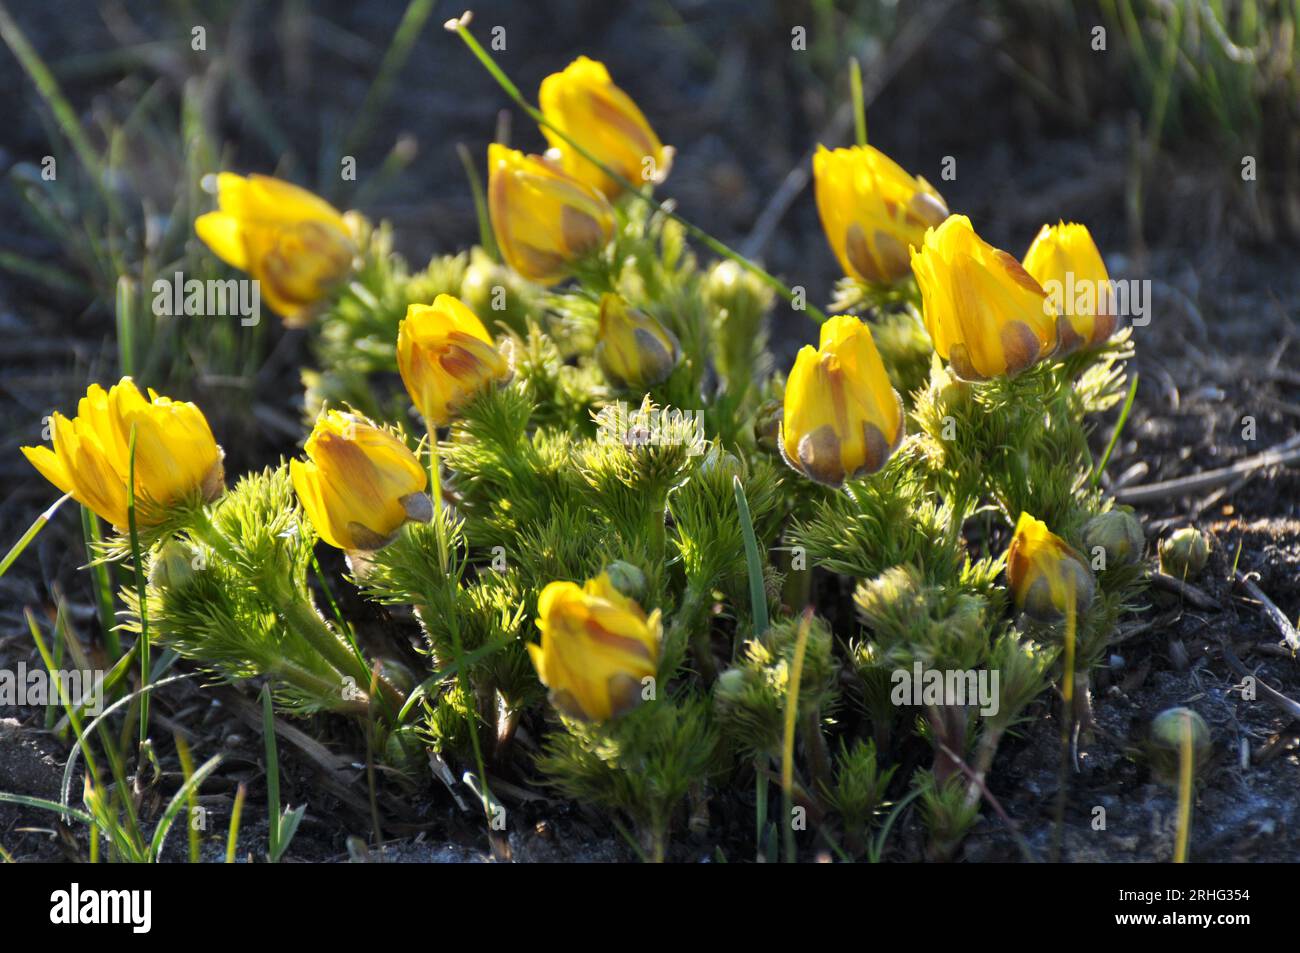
859,106
38,524
71,813
141,592
99,722
787,743
179,799
101,576
1119,429
125,311
272,777
757,590
236,812
1185,767
187,771
486,238
399,49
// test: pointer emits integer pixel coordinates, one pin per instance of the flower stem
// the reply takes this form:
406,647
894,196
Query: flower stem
453,618
459,26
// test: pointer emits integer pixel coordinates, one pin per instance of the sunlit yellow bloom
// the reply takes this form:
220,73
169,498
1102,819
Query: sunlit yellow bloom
633,349
842,418
1042,570
872,211
446,356
584,102
597,648
986,315
294,243
175,454
359,483
1065,261
544,219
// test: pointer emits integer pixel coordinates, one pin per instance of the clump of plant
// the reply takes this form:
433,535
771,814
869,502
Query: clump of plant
641,570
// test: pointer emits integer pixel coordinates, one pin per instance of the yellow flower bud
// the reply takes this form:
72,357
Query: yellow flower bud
176,456
986,315
633,349
446,356
583,101
1065,261
598,646
359,483
1042,569
544,219
842,419
872,211
294,243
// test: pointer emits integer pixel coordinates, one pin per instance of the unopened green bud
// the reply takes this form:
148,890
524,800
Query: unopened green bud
717,460
173,566
729,286
495,293
626,578
767,425
730,685
1183,555
1169,730
1118,535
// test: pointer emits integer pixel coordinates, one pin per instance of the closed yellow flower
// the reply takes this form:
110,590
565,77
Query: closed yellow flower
633,349
176,457
446,356
1065,261
359,483
1042,569
842,418
986,315
294,243
872,211
598,646
544,219
583,101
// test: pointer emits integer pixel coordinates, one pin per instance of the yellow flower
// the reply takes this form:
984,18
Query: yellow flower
446,356
1065,261
842,418
544,219
633,349
597,648
986,315
584,102
294,243
1042,569
359,483
872,211
176,456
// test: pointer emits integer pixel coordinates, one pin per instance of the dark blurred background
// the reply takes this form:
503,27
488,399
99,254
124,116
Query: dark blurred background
1141,131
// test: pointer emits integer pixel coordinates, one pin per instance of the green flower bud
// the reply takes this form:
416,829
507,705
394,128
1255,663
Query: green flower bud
495,293
1183,555
173,566
1119,536
767,426
1166,742
626,578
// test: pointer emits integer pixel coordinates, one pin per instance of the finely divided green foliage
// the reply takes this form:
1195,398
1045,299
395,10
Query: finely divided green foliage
642,764
884,520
